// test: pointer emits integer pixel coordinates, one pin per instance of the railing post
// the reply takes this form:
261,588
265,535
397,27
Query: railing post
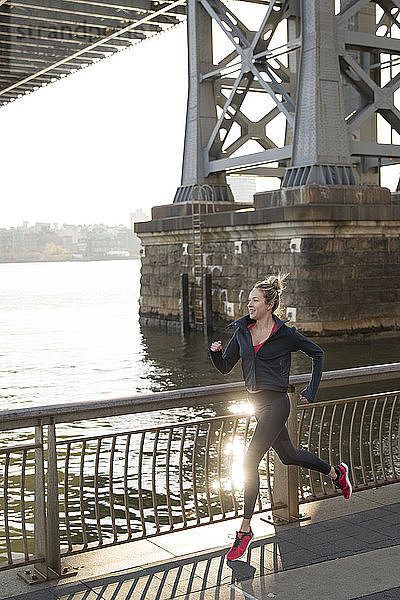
286,486
40,539
53,515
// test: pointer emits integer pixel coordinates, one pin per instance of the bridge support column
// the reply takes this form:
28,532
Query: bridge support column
321,146
201,113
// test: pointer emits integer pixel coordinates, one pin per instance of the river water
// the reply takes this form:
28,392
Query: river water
70,331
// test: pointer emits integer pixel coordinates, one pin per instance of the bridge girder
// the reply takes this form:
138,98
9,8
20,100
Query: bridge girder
325,79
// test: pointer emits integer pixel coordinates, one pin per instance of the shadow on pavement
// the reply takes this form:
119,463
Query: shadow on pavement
202,574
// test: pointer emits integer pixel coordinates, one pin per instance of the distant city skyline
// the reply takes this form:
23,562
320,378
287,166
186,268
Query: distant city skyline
137,215
51,241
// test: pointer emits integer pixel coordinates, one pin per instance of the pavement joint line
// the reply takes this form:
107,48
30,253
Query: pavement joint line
245,594
162,548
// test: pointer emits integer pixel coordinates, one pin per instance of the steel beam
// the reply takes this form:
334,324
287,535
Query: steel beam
320,136
366,41
91,47
201,108
256,64
258,158
373,149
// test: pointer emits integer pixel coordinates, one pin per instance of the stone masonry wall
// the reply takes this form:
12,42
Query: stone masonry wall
344,274
335,284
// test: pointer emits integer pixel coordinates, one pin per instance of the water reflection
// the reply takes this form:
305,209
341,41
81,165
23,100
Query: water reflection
182,361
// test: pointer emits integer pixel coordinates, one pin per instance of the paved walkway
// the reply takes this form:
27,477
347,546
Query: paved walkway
346,551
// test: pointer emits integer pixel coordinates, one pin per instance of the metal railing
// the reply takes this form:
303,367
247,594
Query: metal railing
362,431
66,496
139,484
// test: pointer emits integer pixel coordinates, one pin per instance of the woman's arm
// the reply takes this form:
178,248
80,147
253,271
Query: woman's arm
317,355
226,361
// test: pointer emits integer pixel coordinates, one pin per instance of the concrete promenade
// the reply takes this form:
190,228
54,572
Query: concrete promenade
342,550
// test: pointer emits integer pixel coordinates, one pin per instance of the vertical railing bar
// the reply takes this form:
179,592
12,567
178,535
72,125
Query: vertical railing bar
331,425
220,496
96,492
371,452
23,512
341,432
299,433
111,488
154,480
194,473
398,435
246,432
321,425
181,490
391,433
140,490
126,490
66,502
381,424
207,472
364,472
259,503
269,486
351,444
233,491
309,449
300,427
81,496
167,480
5,498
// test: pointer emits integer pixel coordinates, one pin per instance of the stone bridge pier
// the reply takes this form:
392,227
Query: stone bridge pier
339,244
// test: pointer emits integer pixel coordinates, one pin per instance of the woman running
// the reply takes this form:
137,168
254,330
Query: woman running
264,343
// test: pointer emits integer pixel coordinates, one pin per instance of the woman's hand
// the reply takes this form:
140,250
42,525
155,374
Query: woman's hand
304,399
216,346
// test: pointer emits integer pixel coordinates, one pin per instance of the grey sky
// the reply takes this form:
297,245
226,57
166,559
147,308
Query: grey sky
100,143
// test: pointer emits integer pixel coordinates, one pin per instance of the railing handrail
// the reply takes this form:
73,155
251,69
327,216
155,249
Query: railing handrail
93,409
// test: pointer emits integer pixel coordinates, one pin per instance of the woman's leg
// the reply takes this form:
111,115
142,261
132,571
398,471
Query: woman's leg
290,455
272,412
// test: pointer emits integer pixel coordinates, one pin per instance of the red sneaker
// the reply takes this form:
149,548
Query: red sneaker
343,481
240,545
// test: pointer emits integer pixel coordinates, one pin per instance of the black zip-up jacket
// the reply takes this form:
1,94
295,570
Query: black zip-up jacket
269,368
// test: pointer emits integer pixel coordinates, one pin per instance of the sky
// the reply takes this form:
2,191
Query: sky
107,140
102,142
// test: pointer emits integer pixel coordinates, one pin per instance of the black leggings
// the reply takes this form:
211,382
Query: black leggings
271,410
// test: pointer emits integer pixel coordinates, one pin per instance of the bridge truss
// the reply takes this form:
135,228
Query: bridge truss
42,41
329,72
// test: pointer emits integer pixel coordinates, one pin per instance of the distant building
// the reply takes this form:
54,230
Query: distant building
137,216
44,241
243,187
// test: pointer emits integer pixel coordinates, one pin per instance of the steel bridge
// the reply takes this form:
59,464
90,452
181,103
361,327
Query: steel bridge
329,71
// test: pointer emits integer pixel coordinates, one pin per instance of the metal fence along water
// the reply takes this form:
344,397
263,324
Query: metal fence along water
63,497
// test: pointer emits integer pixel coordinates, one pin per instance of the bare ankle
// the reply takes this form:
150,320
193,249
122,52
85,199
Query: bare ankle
245,526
